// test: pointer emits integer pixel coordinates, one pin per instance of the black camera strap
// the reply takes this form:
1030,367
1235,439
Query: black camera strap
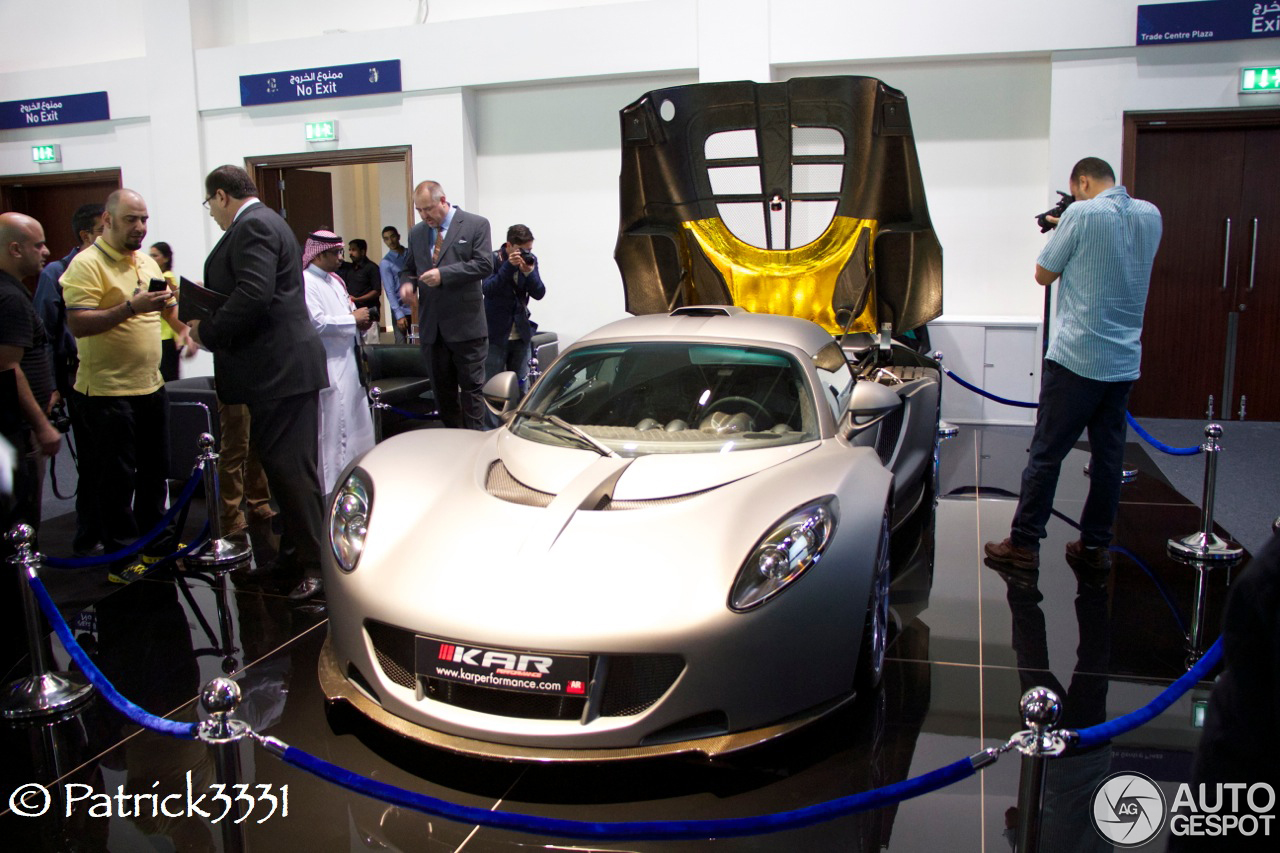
53,470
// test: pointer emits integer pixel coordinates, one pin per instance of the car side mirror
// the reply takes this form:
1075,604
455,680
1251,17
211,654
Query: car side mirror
869,403
502,392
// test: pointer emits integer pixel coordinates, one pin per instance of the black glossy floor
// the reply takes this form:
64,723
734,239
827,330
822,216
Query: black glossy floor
970,642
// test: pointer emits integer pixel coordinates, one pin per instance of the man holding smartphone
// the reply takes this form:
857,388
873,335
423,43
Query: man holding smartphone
116,298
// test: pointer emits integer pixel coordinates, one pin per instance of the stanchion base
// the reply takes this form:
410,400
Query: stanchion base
1204,548
42,695
220,552
1127,474
946,430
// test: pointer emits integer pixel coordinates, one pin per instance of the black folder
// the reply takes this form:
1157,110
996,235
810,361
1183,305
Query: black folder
196,302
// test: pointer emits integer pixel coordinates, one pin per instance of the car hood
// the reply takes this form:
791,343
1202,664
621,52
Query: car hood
587,562
551,469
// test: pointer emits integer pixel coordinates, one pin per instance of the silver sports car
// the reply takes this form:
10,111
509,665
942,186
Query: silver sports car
679,541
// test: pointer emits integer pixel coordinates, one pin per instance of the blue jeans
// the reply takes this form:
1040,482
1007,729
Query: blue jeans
508,355
1070,404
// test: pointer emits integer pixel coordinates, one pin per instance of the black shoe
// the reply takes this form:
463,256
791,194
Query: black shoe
307,589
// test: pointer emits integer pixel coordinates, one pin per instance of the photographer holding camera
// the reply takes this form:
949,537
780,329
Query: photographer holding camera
515,279
1102,251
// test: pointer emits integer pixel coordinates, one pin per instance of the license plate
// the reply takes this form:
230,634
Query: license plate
503,669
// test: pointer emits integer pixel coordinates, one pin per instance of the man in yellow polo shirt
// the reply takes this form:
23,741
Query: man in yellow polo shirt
116,316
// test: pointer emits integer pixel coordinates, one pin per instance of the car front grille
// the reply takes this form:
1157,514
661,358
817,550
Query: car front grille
633,683
394,650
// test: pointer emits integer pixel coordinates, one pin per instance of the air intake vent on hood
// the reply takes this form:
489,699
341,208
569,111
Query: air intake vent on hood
501,484
607,503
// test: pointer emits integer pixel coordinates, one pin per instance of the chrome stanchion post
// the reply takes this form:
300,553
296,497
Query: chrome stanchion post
375,403
1041,710
1195,637
1205,545
220,698
945,430
217,551
43,692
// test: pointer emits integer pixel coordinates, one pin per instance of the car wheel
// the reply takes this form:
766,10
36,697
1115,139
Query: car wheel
875,632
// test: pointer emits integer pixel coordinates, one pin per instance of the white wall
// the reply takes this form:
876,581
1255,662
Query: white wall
549,158
1005,95
982,135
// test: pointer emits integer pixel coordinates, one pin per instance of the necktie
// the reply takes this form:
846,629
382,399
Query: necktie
435,252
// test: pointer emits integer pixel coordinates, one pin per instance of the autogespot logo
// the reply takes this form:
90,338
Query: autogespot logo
1128,809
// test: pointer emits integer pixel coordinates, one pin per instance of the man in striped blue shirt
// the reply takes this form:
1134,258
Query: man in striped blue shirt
1102,249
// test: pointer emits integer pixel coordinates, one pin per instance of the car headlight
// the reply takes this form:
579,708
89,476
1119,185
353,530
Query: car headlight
349,519
793,545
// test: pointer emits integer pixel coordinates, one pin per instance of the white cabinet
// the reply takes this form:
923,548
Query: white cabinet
1000,355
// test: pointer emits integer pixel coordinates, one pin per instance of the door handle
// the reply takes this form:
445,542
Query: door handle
1226,254
1253,254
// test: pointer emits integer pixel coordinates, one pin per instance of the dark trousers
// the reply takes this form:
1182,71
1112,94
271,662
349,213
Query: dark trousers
88,525
128,446
508,355
457,375
1070,404
285,435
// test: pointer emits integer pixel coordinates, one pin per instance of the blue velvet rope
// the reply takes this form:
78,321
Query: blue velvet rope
143,718
183,499
1157,444
634,830
975,389
1094,735
1160,445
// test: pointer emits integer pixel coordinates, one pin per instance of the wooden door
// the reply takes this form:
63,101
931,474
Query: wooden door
1257,293
302,196
53,200
1205,332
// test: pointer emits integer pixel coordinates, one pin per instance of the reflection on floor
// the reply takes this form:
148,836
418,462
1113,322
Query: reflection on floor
968,641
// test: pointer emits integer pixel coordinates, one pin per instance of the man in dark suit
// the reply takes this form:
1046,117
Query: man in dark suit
267,355
448,258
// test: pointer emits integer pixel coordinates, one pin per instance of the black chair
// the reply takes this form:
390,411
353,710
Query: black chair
399,373
193,409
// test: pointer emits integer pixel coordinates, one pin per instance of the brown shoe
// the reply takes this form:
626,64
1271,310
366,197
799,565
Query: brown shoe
1007,555
1080,556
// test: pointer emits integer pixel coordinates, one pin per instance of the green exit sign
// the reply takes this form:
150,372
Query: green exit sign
46,153
322,131
1261,79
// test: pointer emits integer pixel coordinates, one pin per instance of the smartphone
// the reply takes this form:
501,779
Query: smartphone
157,284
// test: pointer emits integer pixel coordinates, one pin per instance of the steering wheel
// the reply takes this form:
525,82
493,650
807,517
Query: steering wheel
724,401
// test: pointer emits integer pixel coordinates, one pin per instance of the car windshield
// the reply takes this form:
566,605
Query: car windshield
660,397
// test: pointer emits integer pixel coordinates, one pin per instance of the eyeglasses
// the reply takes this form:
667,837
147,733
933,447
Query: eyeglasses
207,200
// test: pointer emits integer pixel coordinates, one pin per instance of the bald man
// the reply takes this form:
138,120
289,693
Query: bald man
24,350
115,314
26,394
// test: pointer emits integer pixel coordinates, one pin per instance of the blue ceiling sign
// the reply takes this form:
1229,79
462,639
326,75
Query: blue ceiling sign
59,109
1208,20
311,84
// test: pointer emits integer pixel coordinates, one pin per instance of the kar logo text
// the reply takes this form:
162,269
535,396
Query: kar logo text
490,659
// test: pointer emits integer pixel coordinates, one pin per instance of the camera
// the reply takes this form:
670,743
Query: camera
528,257
1064,202
59,418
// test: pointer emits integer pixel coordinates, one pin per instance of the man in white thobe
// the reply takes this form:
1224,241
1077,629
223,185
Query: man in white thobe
346,427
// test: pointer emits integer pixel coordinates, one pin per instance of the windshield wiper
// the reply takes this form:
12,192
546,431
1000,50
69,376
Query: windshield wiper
574,432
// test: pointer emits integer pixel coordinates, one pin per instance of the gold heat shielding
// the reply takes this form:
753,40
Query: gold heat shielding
792,282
